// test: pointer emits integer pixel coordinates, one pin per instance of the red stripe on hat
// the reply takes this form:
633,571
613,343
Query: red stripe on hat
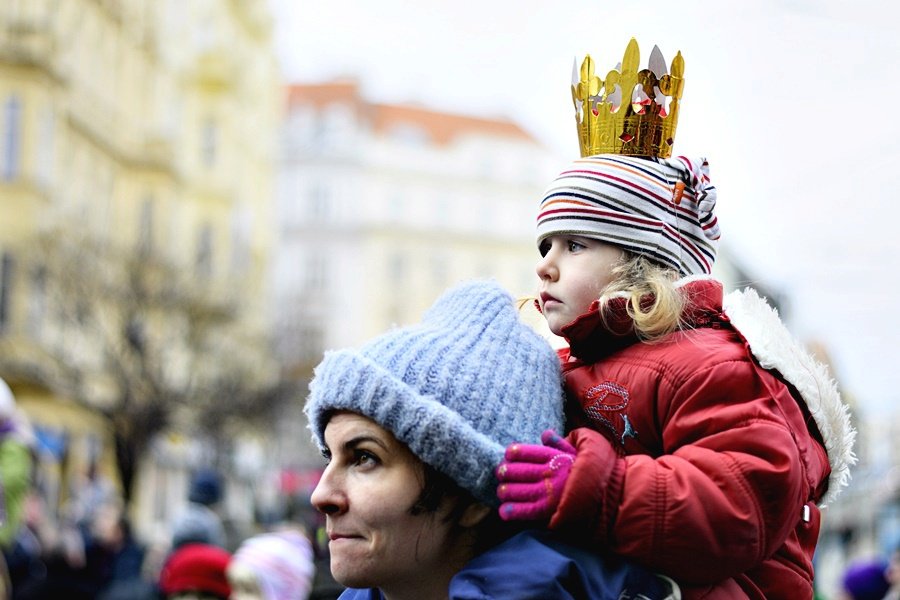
594,211
688,245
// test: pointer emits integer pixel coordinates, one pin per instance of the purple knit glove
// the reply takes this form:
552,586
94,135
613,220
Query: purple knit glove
532,478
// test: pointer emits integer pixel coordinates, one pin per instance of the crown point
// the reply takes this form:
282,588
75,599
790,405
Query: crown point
678,65
657,63
632,58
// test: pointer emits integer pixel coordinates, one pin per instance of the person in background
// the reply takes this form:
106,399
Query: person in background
16,472
272,566
199,522
413,424
196,572
865,580
892,573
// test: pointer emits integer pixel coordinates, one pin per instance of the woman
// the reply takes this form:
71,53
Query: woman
413,425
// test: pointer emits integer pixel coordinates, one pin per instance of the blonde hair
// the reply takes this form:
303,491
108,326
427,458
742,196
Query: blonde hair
638,278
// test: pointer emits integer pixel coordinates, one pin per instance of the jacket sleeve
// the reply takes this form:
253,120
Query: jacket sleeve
725,494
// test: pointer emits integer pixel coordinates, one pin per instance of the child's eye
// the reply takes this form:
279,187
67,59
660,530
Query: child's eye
326,454
544,248
575,246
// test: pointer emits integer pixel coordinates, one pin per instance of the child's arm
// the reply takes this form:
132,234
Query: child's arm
725,494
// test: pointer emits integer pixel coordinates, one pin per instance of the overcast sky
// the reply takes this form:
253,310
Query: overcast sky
794,103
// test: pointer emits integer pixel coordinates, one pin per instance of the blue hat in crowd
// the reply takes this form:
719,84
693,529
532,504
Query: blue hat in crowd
457,388
866,580
206,487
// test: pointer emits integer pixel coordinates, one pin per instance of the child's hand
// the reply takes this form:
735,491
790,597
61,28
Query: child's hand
532,478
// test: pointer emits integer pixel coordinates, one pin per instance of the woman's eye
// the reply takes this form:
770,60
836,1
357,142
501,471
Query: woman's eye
364,458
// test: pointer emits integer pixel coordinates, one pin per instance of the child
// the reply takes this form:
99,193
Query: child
196,572
272,566
704,435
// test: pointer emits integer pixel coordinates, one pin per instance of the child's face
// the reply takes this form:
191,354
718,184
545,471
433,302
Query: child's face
573,271
244,585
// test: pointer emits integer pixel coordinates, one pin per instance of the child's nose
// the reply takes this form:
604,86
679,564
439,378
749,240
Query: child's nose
546,267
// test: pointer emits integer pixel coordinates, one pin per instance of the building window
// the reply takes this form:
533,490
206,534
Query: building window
315,274
204,251
441,212
46,150
209,140
12,136
241,227
311,344
410,135
319,202
7,265
439,271
396,207
37,307
397,269
145,227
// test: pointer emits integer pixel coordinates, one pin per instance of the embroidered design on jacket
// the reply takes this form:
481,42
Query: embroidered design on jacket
601,401
630,431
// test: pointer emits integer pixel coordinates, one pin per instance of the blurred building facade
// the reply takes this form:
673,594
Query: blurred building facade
137,143
382,207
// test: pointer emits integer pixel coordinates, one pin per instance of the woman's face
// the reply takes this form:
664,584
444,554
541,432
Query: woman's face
366,492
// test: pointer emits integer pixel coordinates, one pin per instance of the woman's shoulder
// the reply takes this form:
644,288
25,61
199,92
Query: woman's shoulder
361,594
538,564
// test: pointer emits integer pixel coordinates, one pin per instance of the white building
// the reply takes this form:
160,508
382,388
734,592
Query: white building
382,207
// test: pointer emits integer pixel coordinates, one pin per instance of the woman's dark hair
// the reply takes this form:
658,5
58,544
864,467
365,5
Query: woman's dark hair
438,487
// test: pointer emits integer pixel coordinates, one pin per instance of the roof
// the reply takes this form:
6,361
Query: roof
441,127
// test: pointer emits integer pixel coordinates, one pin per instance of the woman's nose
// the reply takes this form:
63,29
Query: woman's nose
327,496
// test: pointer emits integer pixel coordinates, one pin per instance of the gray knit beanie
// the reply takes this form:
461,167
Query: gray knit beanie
457,388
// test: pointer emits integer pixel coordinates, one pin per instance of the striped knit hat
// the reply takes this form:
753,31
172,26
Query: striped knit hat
282,564
457,388
658,208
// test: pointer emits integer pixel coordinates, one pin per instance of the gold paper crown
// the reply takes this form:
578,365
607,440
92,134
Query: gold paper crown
644,124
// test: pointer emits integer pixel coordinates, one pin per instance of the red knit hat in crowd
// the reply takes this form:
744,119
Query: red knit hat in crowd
196,568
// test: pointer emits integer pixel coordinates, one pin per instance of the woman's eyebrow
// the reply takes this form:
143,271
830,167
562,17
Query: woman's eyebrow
361,439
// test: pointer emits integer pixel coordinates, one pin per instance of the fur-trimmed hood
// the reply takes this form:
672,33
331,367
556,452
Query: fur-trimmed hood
775,348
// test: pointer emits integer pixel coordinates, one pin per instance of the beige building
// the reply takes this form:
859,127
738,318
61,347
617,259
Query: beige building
137,143
382,207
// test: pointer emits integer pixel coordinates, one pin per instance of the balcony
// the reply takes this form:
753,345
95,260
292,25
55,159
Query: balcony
27,37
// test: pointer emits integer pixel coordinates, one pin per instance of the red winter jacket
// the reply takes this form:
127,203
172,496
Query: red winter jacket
692,458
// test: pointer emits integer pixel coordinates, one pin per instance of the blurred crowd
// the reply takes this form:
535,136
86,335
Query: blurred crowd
90,550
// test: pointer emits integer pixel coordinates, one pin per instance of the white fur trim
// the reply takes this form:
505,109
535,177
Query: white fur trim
692,278
775,348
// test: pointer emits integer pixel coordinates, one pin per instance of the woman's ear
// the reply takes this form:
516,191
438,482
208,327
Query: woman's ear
474,514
